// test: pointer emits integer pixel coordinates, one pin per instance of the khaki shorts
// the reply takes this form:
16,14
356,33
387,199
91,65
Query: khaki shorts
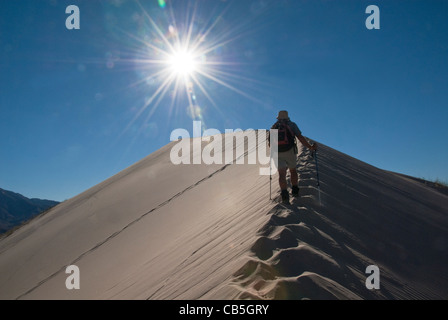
287,159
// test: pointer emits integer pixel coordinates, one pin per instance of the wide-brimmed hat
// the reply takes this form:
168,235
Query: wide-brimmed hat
283,115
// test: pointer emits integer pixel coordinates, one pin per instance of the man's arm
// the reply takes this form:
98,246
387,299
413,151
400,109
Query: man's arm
301,138
306,143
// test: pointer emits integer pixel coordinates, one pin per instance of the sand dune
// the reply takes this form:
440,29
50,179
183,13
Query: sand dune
163,231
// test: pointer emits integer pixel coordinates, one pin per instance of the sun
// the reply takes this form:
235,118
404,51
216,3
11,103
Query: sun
182,63
185,56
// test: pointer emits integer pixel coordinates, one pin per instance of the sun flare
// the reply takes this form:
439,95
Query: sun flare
185,59
182,63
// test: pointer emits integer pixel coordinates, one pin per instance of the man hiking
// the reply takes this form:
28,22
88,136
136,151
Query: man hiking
287,153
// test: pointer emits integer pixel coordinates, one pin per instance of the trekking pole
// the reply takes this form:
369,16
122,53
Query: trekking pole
270,171
270,179
317,174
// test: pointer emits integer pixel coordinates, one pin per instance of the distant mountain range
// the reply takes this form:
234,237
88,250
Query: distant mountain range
16,208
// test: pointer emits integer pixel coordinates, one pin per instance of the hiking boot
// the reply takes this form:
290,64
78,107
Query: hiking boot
285,196
295,190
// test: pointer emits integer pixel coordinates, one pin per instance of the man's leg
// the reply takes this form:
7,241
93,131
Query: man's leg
294,176
283,184
294,181
282,178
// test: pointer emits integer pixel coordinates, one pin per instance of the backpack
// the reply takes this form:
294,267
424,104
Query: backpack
286,137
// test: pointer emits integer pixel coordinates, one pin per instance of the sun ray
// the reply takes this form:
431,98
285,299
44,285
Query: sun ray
146,43
206,94
159,32
174,97
238,78
190,27
203,35
166,83
156,104
227,85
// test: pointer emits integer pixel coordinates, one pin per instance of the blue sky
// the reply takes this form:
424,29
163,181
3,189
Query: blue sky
74,103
